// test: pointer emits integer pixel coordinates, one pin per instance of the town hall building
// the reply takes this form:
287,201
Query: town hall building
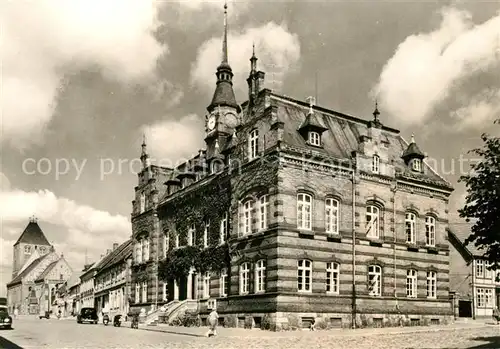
292,211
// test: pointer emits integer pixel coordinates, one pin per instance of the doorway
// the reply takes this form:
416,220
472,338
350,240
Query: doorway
464,308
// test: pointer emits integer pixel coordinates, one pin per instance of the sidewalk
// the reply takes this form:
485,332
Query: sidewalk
257,332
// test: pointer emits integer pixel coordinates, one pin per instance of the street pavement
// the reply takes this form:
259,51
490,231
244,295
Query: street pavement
58,334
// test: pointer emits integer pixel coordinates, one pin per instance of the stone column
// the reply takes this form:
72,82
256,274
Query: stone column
195,286
176,291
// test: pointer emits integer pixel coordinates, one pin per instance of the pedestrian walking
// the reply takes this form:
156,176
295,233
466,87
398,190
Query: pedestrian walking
496,315
16,312
213,319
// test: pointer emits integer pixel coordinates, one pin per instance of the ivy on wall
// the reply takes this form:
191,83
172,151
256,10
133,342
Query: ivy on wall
205,204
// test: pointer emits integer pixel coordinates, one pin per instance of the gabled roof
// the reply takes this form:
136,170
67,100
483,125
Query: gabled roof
74,279
33,234
462,230
118,255
47,270
20,276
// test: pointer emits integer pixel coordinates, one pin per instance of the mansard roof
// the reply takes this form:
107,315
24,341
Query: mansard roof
19,278
33,234
343,136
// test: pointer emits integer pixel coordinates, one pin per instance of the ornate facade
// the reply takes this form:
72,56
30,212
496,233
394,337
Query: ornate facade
320,215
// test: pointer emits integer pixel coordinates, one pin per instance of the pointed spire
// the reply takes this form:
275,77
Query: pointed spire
253,60
224,41
144,152
376,113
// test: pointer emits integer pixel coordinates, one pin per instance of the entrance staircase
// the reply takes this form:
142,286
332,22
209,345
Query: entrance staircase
153,317
180,308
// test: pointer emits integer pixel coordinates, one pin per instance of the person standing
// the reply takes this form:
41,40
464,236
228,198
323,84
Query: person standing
16,312
213,319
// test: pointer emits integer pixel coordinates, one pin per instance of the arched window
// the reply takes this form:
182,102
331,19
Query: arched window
246,217
411,283
376,164
314,138
372,221
332,277
431,284
263,219
332,216
304,275
244,278
260,276
430,231
304,211
145,249
253,144
374,280
410,224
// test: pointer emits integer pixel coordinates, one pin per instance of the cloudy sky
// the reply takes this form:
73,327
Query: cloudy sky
82,80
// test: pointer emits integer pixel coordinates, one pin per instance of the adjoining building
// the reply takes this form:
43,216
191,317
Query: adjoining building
322,215
37,270
112,281
474,287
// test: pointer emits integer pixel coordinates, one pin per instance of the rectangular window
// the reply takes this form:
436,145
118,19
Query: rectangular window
304,211
431,284
190,236
263,212
223,228
480,268
247,217
488,273
260,276
166,243
144,292
206,285
372,221
410,222
376,164
223,283
27,249
137,293
244,278
374,280
304,275
314,138
332,278
205,233
411,284
332,216
430,231
253,144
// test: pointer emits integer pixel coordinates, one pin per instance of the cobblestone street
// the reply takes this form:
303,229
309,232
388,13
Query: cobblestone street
33,333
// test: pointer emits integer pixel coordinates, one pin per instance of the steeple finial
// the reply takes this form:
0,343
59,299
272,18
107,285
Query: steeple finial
312,101
224,40
144,152
376,113
253,60
33,219
412,138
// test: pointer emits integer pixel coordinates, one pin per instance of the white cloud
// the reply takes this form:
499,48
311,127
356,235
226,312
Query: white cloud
427,68
42,40
169,142
277,49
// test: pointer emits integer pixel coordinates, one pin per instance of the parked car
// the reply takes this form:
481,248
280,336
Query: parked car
87,315
5,318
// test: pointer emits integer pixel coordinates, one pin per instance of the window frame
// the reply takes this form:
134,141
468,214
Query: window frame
247,207
166,243
253,144
332,278
332,215
314,138
304,275
372,207
223,283
206,227
375,273
411,223
191,235
223,228
304,217
244,278
260,276
206,285
416,165
263,212
144,294
431,284
480,266
411,283
138,292
430,231
375,164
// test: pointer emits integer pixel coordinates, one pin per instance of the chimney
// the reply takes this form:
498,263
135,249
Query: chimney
108,251
115,246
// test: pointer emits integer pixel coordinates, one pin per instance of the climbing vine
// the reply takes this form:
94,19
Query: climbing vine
206,204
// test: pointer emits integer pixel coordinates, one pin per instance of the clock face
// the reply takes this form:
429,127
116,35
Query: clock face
211,123
231,119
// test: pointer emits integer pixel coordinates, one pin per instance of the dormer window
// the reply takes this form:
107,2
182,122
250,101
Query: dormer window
314,138
417,165
376,164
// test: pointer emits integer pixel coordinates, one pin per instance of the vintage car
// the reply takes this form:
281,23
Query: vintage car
87,315
5,318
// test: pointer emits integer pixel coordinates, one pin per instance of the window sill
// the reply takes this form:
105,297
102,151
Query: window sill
331,293
305,231
304,292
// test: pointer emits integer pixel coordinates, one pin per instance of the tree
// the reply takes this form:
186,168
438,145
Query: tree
482,203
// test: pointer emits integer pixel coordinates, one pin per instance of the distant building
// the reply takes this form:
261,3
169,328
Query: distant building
473,286
86,294
72,298
112,280
37,270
